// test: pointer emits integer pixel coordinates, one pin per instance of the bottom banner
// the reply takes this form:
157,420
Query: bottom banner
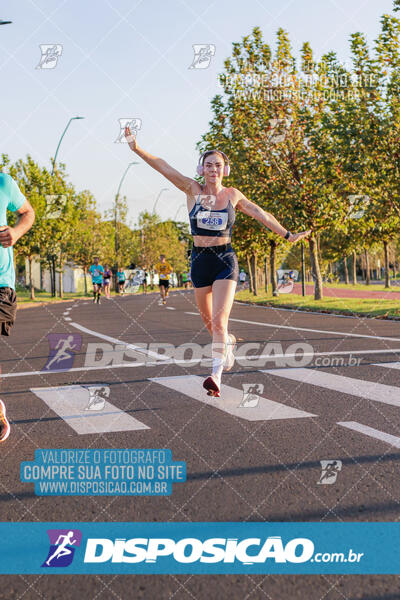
206,548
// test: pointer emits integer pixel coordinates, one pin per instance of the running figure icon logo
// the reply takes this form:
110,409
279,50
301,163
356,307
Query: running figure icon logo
63,543
50,55
251,395
330,470
202,55
98,394
62,348
133,124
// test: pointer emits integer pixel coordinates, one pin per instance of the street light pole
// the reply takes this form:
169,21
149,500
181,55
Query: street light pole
176,214
158,197
115,215
61,138
303,274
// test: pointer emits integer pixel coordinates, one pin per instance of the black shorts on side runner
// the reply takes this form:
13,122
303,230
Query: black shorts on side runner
8,309
213,263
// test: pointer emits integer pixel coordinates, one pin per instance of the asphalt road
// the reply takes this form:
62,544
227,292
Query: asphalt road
247,459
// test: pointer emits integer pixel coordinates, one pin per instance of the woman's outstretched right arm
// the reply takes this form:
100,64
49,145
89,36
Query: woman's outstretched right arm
180,181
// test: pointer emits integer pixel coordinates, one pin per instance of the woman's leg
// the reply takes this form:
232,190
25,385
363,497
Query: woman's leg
203,296
223,294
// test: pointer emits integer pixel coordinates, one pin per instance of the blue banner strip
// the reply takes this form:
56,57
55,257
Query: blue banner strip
199,548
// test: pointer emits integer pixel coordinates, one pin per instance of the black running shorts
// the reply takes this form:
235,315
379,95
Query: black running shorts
8,309
213,263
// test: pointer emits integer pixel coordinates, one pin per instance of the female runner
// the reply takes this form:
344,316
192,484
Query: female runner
214,266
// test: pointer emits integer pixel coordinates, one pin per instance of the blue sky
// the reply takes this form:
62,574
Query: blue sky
131,58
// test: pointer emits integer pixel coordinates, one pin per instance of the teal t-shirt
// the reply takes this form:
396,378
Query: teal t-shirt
11,198
96,272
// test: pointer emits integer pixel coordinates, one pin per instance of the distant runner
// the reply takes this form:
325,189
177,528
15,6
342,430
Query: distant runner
121,280
96,271
164,270
106,281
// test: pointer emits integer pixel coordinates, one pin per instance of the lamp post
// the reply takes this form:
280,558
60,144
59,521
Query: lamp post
115,216
176,214
303,273
61,138
158,197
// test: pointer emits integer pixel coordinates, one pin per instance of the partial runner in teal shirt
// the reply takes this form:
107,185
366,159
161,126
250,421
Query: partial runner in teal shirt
11,198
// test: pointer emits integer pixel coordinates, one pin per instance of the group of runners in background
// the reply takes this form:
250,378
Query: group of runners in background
101,279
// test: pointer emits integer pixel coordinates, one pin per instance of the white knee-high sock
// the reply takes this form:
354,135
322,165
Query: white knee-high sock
218,353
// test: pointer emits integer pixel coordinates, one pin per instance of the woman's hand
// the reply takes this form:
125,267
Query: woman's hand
131,139
295,237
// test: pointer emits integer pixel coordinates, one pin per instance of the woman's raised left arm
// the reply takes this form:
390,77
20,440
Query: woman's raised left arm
253,210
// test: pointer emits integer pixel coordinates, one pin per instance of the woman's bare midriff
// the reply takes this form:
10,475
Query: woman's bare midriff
203,241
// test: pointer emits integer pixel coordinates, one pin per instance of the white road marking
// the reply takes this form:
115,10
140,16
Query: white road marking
67,319
70,402
371,432
230,400
170,308
273,325
296,310
393,365
370,390
187,363
113,340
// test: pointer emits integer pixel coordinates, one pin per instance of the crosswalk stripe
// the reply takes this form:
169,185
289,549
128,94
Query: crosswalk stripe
369,390
71,402
371,432
230,400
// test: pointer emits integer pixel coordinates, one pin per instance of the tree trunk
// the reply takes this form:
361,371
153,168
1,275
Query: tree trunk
250,274
32,289
346,271
367,273
318,290
272,263
51,276
354,267
61,283
85,280
266,273
387,277
254,270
